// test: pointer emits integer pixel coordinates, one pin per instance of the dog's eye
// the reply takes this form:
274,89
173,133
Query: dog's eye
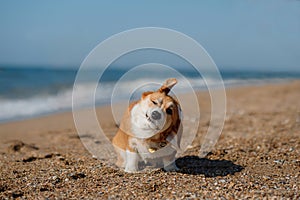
169,111
154,102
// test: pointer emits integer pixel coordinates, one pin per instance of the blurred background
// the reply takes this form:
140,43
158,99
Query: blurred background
42,45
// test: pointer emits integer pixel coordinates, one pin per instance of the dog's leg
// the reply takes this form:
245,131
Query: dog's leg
169,162
121,158
171,167
132,161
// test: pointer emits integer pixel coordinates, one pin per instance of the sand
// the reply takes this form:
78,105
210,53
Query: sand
257,156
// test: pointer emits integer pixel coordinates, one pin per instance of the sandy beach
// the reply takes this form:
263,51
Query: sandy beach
257,155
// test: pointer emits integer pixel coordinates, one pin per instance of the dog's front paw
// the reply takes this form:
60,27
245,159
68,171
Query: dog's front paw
130,170
132,160
131,167
171,168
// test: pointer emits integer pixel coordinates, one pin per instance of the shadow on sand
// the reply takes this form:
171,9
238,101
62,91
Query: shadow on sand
210,168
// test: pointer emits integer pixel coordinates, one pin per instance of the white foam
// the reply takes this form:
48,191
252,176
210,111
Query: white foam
11,109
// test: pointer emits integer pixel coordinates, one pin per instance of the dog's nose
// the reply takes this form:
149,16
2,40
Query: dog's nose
155,115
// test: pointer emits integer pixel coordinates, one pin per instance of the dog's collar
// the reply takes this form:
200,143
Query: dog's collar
161,145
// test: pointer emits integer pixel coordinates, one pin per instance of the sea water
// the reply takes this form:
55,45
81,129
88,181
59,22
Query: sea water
29,92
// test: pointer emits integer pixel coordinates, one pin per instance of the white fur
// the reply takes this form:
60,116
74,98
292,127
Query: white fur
132,161
173,140
141,126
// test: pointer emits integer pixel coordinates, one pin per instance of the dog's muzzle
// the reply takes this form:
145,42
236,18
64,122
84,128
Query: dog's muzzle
155,115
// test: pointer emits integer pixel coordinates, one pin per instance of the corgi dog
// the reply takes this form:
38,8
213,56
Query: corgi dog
150,131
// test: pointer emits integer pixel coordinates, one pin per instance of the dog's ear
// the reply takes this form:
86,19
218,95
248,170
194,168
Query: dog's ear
167,86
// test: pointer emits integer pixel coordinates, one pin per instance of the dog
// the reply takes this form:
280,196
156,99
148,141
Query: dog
150,131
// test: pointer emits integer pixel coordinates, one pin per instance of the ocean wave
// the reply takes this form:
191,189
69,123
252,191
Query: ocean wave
14,109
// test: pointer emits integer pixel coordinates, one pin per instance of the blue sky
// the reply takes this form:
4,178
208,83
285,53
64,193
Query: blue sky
237,34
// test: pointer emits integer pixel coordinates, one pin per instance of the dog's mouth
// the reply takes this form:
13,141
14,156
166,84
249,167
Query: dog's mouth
152,122
149,119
